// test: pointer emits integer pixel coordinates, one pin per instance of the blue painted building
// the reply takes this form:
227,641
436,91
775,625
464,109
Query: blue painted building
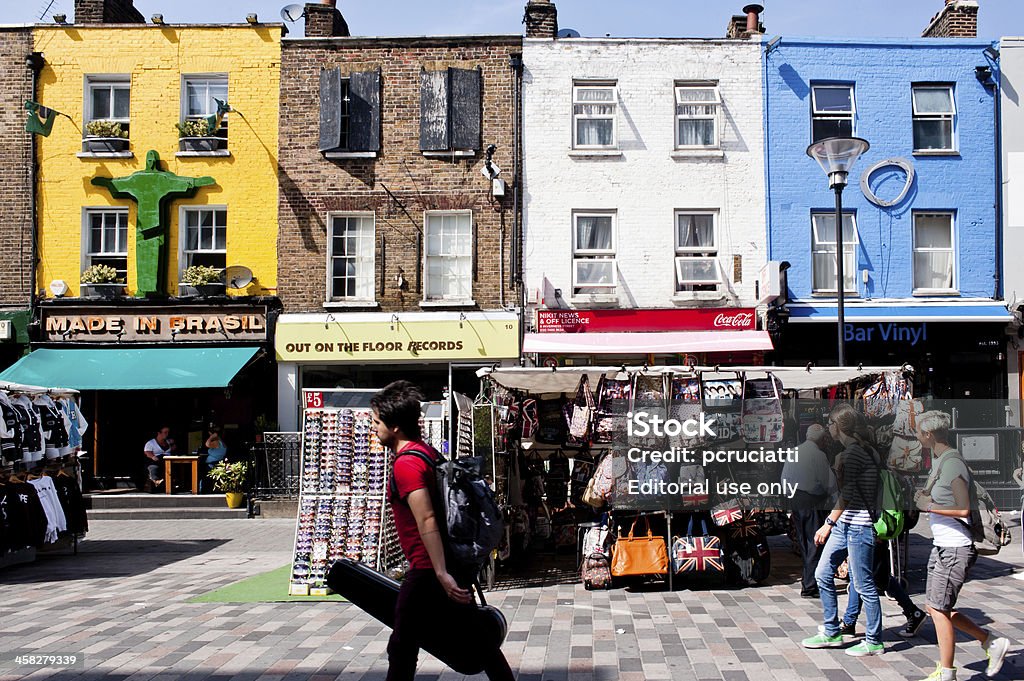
920,223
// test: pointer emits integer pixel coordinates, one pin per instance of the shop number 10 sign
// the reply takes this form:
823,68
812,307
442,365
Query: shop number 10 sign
314,400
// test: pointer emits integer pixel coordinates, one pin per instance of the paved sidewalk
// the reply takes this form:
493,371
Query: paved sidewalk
122,602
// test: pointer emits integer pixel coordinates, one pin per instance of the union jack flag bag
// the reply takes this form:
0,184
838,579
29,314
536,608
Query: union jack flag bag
697,553
746,527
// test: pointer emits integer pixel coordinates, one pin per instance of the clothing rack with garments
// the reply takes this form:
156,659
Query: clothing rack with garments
41,503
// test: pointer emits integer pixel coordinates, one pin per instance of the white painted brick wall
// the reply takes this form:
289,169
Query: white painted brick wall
646,185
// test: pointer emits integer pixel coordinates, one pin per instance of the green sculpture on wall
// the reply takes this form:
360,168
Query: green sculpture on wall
151,189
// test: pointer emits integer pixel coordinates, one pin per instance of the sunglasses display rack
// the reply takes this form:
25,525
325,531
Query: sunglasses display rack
341,495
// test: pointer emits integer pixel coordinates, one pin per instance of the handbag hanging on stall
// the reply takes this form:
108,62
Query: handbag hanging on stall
697,552
762,421
582,410
634,556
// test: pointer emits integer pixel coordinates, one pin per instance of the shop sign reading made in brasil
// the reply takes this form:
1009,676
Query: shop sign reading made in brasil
472,338
608,321
182,325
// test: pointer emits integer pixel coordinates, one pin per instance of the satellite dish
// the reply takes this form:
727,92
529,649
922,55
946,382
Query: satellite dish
568,33
292,13
237,276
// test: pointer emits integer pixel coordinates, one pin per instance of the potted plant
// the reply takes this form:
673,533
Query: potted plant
102,280
207,281
230,479
105,136
198,135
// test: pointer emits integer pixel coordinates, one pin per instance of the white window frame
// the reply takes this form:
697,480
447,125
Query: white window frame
87,253
109,81
951,250
613,117
684,254
589,255
935,116
427,215
853,245
371,265
192,77
716,102
817,114
184,253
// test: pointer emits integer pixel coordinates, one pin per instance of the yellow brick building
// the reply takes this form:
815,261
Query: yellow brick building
148,78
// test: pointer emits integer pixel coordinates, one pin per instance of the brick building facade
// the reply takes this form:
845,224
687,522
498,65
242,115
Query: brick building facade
402,184
395,243
16,180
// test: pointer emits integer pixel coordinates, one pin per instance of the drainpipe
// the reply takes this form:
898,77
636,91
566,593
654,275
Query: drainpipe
35,62
516,268
997,106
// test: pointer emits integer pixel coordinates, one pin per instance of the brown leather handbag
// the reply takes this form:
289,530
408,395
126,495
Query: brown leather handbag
643,555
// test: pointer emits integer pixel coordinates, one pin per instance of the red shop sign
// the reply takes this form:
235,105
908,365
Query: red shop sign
597,321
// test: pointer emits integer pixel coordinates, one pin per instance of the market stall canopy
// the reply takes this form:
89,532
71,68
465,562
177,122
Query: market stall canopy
131,368
627,343
565,379
925,312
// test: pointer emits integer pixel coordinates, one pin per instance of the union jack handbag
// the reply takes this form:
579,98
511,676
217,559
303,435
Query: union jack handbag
746,527
726,513
701,553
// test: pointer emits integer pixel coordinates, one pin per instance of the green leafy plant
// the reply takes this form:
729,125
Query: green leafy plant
105,129
99,274
229,477
200,275
194,128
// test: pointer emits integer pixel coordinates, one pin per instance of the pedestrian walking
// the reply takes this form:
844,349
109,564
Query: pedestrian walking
890,584
848,531
430,598
815,485
946,499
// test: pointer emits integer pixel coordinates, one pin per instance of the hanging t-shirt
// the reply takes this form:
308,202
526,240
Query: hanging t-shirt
75,421
55,519
10,430
72,502
25,518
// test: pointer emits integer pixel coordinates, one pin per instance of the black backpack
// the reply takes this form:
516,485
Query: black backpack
471,521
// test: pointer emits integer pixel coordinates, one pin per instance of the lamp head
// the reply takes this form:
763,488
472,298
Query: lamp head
836,155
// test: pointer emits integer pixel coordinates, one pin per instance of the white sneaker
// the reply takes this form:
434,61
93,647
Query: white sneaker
995,649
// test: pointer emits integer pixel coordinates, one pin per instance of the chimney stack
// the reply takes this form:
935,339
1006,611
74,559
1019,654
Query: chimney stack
541,19
107,12
747,24
958,19
323,20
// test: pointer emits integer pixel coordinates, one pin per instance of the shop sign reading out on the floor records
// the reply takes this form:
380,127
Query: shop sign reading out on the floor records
402,341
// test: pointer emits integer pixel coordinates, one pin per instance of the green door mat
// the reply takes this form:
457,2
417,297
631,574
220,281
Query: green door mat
269,587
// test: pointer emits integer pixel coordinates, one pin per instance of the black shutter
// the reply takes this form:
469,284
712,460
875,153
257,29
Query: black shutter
434,130
330,109
465,108
364,111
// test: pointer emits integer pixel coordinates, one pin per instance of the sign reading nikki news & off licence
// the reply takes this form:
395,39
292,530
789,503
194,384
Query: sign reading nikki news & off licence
609,321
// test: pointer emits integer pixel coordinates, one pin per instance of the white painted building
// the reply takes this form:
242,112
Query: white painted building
643,173
614,155
1011,75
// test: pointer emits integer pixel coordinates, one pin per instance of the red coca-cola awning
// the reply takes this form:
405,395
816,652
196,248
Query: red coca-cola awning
634,343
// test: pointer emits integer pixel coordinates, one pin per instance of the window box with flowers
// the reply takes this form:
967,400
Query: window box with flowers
196,136
101,282
105,137
207,281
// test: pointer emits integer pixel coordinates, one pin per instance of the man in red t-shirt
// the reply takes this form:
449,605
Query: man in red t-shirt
430,600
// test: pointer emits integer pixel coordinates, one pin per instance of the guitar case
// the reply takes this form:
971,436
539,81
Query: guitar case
483,626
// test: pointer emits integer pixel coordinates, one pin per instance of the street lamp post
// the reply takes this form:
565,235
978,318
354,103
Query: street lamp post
836,155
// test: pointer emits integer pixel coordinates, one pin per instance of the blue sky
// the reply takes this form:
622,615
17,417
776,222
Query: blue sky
622,18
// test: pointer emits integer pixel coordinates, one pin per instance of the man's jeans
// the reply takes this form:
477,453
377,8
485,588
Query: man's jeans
857,544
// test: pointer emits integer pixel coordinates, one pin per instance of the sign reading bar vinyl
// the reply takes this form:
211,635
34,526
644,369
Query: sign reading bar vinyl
473,338
597,321
181,325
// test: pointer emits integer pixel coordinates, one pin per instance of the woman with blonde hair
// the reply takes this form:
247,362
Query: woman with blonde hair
849,533
946,498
